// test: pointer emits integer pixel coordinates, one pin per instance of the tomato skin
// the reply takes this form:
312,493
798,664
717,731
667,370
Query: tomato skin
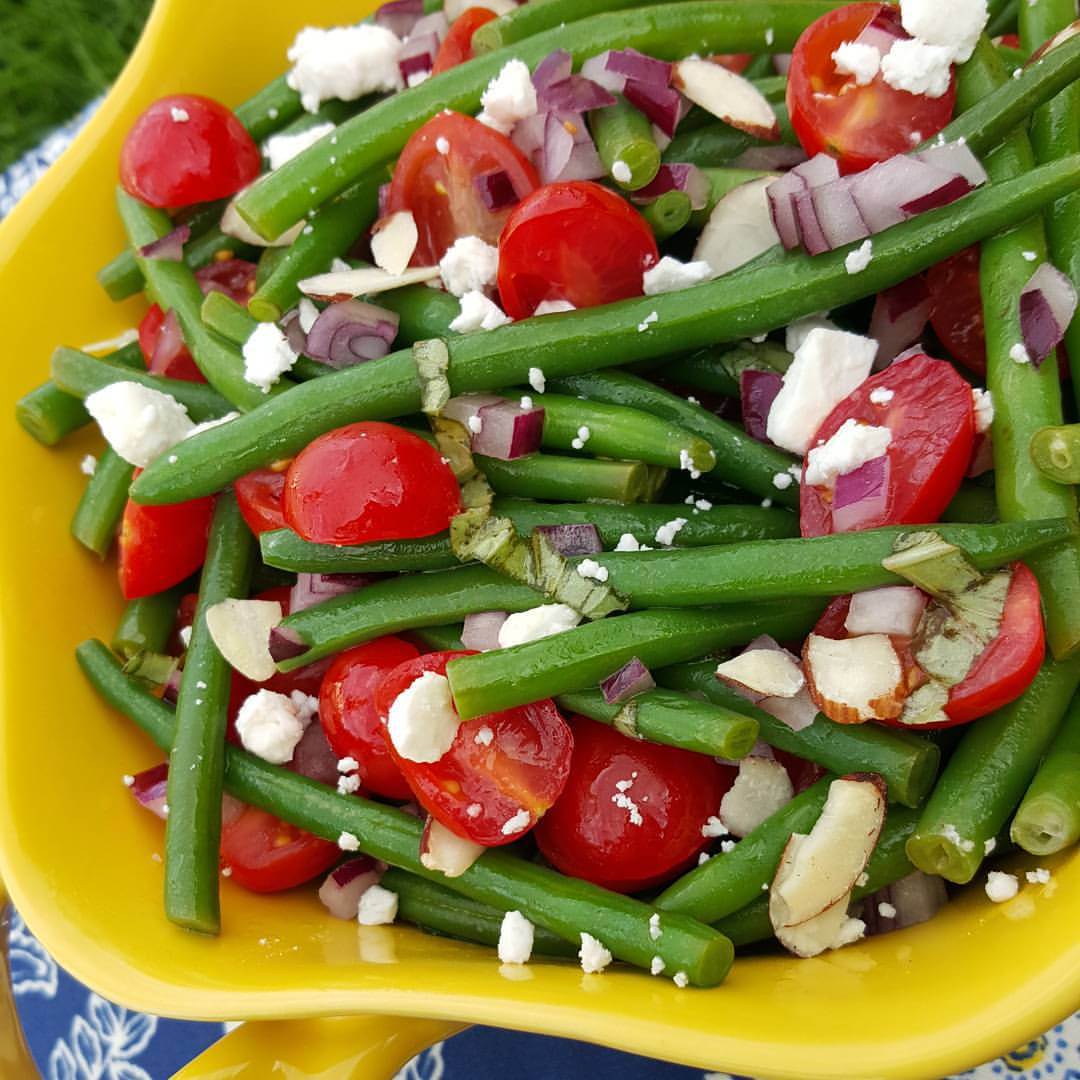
259,495
587,835
166,162
858,125
439,190
573,241
265,854
369,481
932,420
457,45
523,765
349,717
957,317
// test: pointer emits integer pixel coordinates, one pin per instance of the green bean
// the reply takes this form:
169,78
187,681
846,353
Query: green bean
667,214
197,758
269,260
551,476
714,144
624,140
146,624
564,906
666,31
174,287
740,460
284,549
440,638
1056,453
1004,20
80,374
269,109
718,369
907,762
739,305
972,503
772,87
101,507
540,15
578,659
1048,819
423,313
987,775
1010,57
661,716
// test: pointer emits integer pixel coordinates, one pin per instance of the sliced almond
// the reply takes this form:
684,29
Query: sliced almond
728,96
368,280
232,224
393,241
893,609
241,631
761,788
445,851
797,712
769,672
853,680
739,228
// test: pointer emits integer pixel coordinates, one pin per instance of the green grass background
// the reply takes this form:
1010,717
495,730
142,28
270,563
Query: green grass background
56,55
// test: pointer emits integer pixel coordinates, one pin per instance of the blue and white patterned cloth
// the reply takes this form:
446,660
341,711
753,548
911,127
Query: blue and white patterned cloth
76,1035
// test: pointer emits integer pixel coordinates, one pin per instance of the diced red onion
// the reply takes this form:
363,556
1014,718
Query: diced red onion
286,643
169,344
900,315
313,757
481,630
312,589
631,679
639,67
528,135
584,163
596,69
149,789
796,712
231,808
892,609
861,495
574,94
770,158
507,431
465,406
982,455
558,146
810,230
350,331
171,690
575,539
344,885
882,31
837,214
955,157
953,188
496,190
436,23
400,16
1047,306
418,54
555,67
781,63
169,247
757,391
781,195
384,199
294,332
662,104
916,899
687,178
445,851
818,170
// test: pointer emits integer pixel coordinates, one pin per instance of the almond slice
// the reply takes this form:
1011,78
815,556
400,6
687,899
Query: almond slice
368,280
761,788
739,228
728,96
241,631
445,851
853,680
393,241
768,672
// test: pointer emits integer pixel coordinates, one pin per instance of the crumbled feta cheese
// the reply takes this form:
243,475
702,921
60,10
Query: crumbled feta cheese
88,465
1039,876
620,171
179,116
862,879
827,366
702,504
538,622
267,356
139,423
858,260
983,401
347,765
624,802
306,705
526,401
918,68
654,926
686,463
854,444
955,25
950,833
782,481
416,78
348,785
667,532
378,906
484,736
989,845
509,97
442,145
206,425
854,58
185,636
590,568
537,380
669,274
422,721
127,779
344,62
1030,256
727,846
798,331
714,827
594,957
886,910
1001,886
583,434
281,148
628,542
881,396
473,810
703,858
518,823
347,841
681,979
478,313
476,424
515,938
553,307
647,322
469,265
270,726
657,966
1020,354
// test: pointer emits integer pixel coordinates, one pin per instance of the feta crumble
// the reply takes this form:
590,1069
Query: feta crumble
1039,876
378,906
509,97
955,25
1001,886
686,463
478,313
983,401
654,926
469,265
442,145
703,858
628,542
476,424
590,568
854,58
647,322
518,823
536,623
880,395
1020,354
582,437
886,910
657,966
681,979
185,636
713,828
138,422
1030,256
515,938
484,736
918,67
179,116
667,532
526,402
782,480
347,841
702,504
594,957
620,171
270,725
727,846
950,833
281,148
537,380
553,307
858,260
88,465
348,785
127,779
267,356
347,765
989,845
853,445
624,802
669,275
422,721
344,62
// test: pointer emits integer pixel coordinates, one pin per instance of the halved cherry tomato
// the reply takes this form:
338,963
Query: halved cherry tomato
366,482
858,125
440,188
737,62
957,317
349,717
457,45
265,854
932,420
187,149
259,495
573,241
631,813
502,771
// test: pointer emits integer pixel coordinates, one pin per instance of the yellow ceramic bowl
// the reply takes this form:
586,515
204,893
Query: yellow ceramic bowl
78,858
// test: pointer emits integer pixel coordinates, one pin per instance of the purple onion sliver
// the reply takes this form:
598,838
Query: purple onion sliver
810,227
839,217
584,163
436,23
365,319
575,94
781,63
757,391
956,187
342,898
353,868
639,67
170,247
596,69
818,170
286,643
861,496
631,679
418,55
770,158
955,157
552,69
1038,327
900,315
882,31
399,16
150,787
313,757
171,690
676,177
660,103
528,135
780,194
1058,294
464,407
384,199
312,589
351,346
576,539
556,150
496,190
481,630
507,431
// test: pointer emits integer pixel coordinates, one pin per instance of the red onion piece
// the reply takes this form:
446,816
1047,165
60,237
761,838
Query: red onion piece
294,332
757,391
882,31
982,455
436,23
584,163
796,712
638,67
818,170
899,318
631,679
445,851
285,643
418,54
312,589
781,195
170,247
399,16
596,70
231,808
861,495
916,899
528,135
661,103
507,431
1047,306
575,94
149,789
384,199
313,757
343,887
481,630
170,343
810,229
171,690
465,406
781,63
955,187
496,190
687,178
837,214
555,67
955,157
576,539
350,331
770,158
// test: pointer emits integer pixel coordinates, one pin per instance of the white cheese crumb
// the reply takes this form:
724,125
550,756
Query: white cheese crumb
270,725
267,356
727,846
669,274
594,957
478,313
955,25
473,810
484,736
526,401
858,260
476,424
509,97
442,145
422,721
1001,886
139,423
515,938
185,636
281,148
179,116
590,568
654,926
714,827
854,58
553,307
782,481
344,62
950,833
469,265
537,380
667,532
702,504
983,401
989,845
624,802
348,785
347,841
583,434
88,465
1031,256
621,171
880,395
128,779
628,542
703,858
347,765
681,979
686,463
886,910
647,322
853,445
1039,876
518,823
1020,354
862,879
538,622
378,906
918,68
657,966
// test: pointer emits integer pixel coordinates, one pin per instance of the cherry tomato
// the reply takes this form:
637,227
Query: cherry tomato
259,495
632,811
858,125
573,241
957,317
932,421
349,717
502,771
440,189
265,854
737,62
187,149
457,45
366,482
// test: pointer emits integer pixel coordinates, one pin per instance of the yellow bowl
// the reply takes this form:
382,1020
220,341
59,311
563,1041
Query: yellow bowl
78,858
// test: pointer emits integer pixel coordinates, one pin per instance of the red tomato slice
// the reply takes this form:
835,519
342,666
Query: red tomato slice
457,45
957,318
440,189
259,495
502,771
265,854
187,149
737,62
932,420
573,241
366,482
858,125
349,717
631,813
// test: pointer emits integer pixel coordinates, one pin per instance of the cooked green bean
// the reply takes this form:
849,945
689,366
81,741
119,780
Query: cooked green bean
440,638
1003,21
101,507
713,144
565,906
1056,452
146,624
624,140
718,369
987,775
540,15
284,549
552,476
197,755
972,503
423,313
667,214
